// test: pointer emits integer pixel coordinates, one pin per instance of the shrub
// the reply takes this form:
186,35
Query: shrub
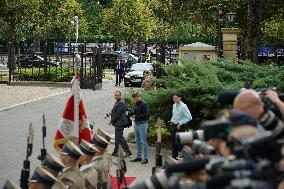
200,84
54,74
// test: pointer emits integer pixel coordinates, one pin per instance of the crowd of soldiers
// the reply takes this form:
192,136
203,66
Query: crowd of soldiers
87,165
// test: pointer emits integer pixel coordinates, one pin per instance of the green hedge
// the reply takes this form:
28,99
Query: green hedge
54,74
200,84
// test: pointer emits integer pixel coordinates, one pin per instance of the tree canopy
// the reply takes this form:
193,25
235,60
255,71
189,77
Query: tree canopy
261,22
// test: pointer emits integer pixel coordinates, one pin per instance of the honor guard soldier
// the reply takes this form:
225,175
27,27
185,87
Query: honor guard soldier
53,164
108,137
101,163
41,179
104,134
10,185
89,172
71,175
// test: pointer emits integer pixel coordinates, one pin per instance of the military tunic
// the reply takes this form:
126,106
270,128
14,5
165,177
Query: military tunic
91,176
102,164
72,178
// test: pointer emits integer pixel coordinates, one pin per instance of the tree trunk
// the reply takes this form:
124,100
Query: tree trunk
252,30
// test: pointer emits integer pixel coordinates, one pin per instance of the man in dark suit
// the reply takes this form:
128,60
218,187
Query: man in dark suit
119,69
119,120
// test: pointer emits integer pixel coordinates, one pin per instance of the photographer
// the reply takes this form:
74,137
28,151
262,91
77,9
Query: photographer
249,101
181,116
141,115
273,96
118,120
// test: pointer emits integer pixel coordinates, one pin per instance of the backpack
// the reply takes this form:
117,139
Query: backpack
128,121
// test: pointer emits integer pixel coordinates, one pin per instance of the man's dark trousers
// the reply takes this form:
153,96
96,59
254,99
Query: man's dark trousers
119,139
118,120
175,146
118,77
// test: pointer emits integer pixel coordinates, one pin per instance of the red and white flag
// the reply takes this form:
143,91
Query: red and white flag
69,128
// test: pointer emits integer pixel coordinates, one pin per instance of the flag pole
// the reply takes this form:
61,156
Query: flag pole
76,105
76,84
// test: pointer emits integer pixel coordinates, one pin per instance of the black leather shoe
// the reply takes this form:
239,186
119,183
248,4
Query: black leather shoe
127,154
144,161
136,160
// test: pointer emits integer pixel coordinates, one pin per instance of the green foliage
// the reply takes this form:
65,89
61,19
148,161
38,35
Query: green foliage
93,14
200,84
53,74
129,20
17,15
53,23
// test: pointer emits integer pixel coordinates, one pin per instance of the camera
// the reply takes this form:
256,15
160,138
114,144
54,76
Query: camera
228,97
130,111
189,137
263,146
219,128
199,147
156,181
272,123
107,115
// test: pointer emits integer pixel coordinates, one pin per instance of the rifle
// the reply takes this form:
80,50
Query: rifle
121,168
43,150
25,173
158,155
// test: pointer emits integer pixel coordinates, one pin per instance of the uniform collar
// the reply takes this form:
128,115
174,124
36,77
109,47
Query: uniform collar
84,167
96,158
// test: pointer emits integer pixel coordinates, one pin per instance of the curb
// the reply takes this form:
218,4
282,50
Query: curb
41,84
30,101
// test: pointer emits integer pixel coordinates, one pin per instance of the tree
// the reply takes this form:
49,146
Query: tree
53,24
273,31
93,14
15,14
129,20
251,17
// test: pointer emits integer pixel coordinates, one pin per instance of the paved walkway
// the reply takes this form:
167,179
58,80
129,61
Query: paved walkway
14,125
137,169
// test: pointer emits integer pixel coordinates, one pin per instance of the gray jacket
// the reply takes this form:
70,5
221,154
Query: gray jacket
118,114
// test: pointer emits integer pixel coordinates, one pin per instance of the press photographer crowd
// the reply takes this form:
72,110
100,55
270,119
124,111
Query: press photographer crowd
241,148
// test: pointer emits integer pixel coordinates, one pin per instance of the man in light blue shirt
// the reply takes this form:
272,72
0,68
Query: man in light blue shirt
181,116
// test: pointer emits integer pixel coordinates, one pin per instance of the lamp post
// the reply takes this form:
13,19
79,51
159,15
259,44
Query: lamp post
231,18
69,42
220,14
230,37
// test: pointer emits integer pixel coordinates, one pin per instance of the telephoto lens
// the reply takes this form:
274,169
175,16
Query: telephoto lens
263,146
189,137
187,153
157,181
199,147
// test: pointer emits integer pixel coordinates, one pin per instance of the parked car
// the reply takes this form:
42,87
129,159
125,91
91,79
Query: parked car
34,60
134,76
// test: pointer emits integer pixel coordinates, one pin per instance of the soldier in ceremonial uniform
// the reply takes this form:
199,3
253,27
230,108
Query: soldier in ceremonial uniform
104,134
101,162
71,176
89,172
10,185
108,137
41,179
53,164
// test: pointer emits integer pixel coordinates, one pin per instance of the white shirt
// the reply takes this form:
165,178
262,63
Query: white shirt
180,114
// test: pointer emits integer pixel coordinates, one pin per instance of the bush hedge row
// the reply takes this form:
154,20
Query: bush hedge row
200,84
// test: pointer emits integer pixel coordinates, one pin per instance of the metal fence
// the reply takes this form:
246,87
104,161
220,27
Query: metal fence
53,63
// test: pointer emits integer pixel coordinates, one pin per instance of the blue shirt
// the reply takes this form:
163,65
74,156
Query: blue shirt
181,114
